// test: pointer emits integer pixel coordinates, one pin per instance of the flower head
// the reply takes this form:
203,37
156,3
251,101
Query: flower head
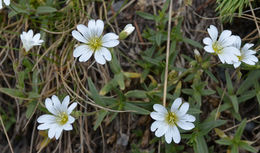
167,122
221,46
247,55
59,119
7,2
94,42
129,28
29,40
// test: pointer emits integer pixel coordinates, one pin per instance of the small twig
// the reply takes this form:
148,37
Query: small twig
253,13
6,135
252,119
167,55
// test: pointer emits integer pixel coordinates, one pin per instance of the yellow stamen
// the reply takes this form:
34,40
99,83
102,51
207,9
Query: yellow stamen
95,43
217,48
62,118
171,118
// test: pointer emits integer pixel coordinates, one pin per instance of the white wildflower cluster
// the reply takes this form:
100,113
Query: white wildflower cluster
93,43
167,121
228,48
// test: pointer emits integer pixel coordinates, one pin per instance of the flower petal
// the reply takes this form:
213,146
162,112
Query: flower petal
176,104
188,118
161,129
224,36
58,133
92,27
209,49
99,27
213,32
71,107
247,46
157,116
160,108
169,135
99,58
155,125
237,42
56,102
46,119
111,43
52,131
78,36
67,127
176,135
183,109
7,2
44,126
109,36
49,106
66,102
80,50
85,56
236,64
185,125
71,119
207,41
84,30
106,53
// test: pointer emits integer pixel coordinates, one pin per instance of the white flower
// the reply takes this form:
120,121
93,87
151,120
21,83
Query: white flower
167,121
29,40
59,119
247,55
94,42
7,2
221,46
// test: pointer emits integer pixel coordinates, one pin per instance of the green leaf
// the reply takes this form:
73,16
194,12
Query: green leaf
120,80
30,109
108,87
100,116
136,94
114,64
144,15
249,82
158,38
247,147
192,42
229,82
45,9
15,93
201,145
234,101
136,109
211,76
206,92
224,141
207,126
94,93
240,130
234,148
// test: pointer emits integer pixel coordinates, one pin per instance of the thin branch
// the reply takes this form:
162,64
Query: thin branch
167,55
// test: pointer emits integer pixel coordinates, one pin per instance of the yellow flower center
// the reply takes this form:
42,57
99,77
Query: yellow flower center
171,118
62,118
217,47
95,43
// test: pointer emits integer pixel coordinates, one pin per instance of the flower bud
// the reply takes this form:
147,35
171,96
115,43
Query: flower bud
129,28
